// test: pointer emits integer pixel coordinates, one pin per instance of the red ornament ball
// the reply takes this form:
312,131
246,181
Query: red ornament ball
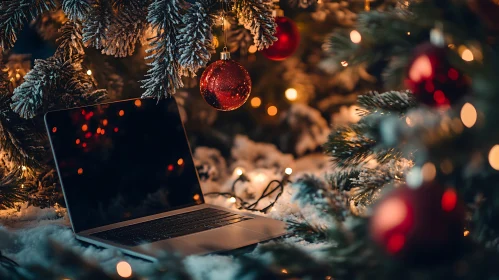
225,85
433,80
423,225
288,39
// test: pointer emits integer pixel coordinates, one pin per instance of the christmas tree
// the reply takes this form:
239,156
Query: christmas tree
407,190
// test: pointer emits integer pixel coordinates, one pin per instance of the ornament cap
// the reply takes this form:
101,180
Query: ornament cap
277,12
225,55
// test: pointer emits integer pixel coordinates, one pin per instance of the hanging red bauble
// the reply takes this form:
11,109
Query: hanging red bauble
288,39
433,80
225,84
424,225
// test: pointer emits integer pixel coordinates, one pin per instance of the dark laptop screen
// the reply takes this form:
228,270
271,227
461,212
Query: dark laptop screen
123,160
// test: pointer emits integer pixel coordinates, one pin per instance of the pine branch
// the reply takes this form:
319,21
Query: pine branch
163,76
54,83
389,102
256,15
70,42
11,190
238,37
126,29
13,15
195,40
97,23
76,9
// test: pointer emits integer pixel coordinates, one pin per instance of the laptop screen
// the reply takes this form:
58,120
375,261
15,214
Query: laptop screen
123,160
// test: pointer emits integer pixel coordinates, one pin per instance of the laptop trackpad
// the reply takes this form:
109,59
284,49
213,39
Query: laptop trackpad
221,239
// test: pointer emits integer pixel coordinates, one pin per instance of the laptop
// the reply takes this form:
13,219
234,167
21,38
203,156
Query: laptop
129,182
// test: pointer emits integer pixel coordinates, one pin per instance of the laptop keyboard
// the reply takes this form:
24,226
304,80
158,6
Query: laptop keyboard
170,227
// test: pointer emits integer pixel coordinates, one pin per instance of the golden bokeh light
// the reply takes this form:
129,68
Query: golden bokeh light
196,197
124,269
467,55
355,36
180,161
89,72
252,49
256,102
232,199
428,171
468,115
291,94
494,157
466,233
272,110
238,171
288,171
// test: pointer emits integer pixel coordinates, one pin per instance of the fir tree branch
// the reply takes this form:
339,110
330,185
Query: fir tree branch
389,102
126,29
195,40
11,190
13,15
97,23
163,76
76,9
54,83
256,15
70,41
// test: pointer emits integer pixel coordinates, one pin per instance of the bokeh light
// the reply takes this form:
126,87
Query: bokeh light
272,111
355,36
124,269
256,102
494,157
468,115
291,94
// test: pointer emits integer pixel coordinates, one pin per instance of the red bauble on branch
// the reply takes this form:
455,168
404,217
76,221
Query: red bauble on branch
432,79
225,84
288,39
423,225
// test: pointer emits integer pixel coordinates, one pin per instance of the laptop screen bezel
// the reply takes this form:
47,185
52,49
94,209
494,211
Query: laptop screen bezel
131,221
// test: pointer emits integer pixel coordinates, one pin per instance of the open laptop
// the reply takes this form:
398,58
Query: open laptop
130,183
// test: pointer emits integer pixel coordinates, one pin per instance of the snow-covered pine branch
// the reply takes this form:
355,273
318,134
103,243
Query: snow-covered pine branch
54,83
14,13
164,77
390,101
256,15
70,42
76,9
126,28
195,40
97,23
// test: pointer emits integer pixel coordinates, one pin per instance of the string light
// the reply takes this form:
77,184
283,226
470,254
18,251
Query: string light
252,49
239,171
89,72
272,111
355,36
256,102
124,269
291,94
467,55
468,115
494,157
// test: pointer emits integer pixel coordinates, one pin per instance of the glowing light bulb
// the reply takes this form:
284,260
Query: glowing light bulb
467,55
89,72
291,94
468,115
355,36
288,171
272,111
466,233
124,269
232,199
239,171
494,157
256,102
252,49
